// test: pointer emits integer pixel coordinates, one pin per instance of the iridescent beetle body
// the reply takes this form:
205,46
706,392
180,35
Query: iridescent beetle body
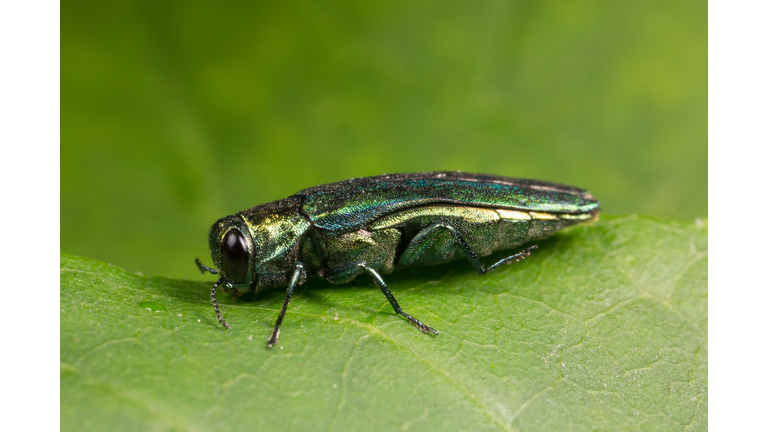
378,224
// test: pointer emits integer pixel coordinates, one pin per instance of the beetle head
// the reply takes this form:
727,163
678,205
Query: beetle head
257,248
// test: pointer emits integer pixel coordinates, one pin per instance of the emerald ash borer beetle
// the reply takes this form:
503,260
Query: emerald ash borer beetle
375,225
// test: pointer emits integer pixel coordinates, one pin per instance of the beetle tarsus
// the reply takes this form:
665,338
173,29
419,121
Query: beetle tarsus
520,256
423,327
216,304
508,260
272,341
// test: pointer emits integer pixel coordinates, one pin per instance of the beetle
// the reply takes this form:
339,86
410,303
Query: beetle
375,225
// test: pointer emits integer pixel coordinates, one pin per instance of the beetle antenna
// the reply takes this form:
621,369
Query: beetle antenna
204,268
216,304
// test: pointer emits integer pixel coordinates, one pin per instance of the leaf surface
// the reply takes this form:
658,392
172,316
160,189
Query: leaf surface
605,327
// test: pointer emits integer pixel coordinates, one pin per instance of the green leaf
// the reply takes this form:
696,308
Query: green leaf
605,327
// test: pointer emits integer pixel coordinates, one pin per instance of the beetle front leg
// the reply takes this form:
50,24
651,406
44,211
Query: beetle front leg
295,278
388,294
204,268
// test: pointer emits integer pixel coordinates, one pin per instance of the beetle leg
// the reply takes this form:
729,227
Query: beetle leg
295,278
475,260
525,253
388,294
204,268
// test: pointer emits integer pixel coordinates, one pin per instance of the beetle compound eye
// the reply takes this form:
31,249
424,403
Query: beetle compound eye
234,256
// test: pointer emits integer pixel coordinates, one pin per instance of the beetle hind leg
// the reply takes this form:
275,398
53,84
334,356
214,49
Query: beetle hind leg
424,244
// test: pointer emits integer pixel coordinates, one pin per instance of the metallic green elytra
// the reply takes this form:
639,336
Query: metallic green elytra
375,225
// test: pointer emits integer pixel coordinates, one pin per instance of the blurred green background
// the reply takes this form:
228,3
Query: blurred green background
174,114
